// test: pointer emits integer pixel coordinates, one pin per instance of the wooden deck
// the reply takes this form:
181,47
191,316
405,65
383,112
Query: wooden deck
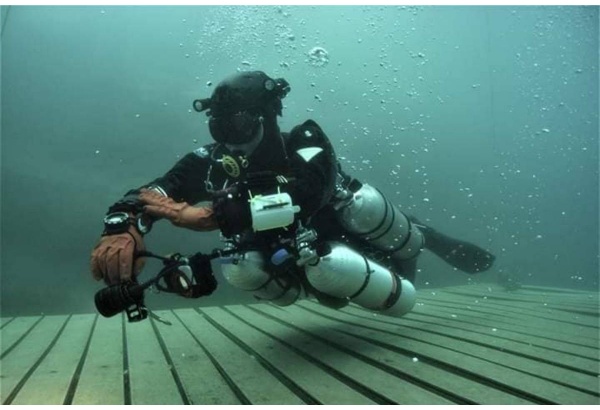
469,344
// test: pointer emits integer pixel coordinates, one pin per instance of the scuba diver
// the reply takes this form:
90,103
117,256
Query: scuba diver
293,223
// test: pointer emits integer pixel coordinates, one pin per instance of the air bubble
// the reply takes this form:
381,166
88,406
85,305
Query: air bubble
318,57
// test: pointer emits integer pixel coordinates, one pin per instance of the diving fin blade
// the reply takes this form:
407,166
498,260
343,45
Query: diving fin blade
462,255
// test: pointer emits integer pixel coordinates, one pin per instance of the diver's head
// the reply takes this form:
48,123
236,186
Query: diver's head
240,105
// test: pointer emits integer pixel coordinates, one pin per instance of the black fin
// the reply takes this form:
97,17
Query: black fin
462,255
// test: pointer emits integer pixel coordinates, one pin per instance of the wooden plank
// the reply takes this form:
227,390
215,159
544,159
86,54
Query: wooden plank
149,372
50,382
539,288
5,320
548,307
523,344
586,345
493,349
525,312
394,364
20,363
529,298
313,379
15,331
101,379
527,292
473,345
545,337
535,326
470,357
585,311
200,378
252,379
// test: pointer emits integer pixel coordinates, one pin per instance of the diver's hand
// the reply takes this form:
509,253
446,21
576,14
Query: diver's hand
180,214
113,257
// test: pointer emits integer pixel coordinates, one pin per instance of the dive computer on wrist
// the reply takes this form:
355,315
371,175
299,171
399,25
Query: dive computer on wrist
116,222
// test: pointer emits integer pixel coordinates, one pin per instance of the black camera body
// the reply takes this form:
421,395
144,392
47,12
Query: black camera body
128,297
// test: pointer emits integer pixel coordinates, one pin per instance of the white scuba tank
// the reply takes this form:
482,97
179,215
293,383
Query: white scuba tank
344,273
372,217
245,271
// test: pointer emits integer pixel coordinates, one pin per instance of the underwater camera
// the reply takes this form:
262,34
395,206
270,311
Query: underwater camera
190,277
128,297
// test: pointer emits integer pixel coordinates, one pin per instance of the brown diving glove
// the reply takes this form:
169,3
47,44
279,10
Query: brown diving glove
113,257
180,214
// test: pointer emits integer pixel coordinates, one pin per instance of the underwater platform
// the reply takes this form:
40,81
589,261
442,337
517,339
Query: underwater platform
460,345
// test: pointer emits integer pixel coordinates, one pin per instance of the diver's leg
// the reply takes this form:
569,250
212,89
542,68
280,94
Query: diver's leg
407,269
462,255
324,299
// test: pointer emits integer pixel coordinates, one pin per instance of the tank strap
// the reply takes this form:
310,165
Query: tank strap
366,282
388,208
405,241
395,295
